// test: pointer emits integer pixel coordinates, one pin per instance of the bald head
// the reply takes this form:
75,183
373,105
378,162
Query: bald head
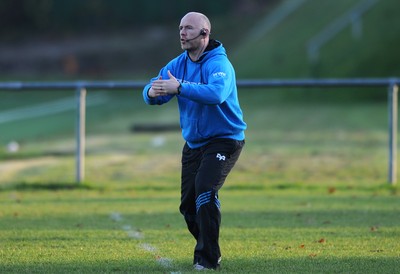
198,20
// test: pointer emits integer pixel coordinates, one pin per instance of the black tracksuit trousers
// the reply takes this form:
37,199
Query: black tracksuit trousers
204,171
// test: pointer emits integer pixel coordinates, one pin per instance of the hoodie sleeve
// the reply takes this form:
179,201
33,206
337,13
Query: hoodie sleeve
220,82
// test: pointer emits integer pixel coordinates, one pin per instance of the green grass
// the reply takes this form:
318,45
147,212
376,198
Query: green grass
282,228
309,194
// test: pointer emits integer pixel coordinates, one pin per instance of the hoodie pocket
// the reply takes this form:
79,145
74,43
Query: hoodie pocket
189,129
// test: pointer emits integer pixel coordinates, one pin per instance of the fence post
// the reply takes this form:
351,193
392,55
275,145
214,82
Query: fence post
393,102
80,133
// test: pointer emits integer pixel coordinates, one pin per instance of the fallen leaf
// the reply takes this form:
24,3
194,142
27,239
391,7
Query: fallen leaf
377,250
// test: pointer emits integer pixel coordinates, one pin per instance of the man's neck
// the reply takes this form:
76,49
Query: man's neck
196,54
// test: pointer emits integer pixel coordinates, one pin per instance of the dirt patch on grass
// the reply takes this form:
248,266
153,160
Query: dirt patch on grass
10,169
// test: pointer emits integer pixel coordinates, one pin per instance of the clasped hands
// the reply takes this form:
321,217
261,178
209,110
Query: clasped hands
162,87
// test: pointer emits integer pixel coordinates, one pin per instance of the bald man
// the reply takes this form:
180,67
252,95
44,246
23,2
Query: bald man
203,81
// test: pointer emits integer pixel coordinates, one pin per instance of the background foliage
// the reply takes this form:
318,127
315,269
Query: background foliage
75,15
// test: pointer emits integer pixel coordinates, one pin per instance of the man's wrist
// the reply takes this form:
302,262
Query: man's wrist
179,89
148,93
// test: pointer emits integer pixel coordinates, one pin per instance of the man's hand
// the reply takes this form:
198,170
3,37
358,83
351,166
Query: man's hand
162,87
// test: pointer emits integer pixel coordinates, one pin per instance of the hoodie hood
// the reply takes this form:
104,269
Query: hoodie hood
214,47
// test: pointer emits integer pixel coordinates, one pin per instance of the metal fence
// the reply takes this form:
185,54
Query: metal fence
81,87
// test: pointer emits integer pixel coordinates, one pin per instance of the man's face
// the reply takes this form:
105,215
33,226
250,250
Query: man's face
189,28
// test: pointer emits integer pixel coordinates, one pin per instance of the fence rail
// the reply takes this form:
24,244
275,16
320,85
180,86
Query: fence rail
250,83
81,88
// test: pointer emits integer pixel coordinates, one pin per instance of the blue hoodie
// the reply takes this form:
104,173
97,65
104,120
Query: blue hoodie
208,103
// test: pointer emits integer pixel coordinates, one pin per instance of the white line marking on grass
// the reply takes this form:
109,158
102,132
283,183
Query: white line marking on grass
148,247
48,108
165,262
115,216
137,234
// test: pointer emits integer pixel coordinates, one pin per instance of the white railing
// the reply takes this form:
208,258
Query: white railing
82,86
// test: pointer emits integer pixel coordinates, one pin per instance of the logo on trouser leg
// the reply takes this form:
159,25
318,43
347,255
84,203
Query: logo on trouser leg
220,157
205,198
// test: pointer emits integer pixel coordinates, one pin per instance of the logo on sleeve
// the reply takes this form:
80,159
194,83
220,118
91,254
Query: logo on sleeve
219,74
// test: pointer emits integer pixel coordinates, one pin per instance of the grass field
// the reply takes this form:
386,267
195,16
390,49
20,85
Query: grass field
278,228
309,194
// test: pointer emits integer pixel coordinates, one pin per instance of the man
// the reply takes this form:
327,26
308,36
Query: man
203,80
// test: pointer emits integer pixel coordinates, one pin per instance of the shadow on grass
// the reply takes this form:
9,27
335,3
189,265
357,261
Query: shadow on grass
306,264
127,265
323,188
312,264
34,154
242,225
52,186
